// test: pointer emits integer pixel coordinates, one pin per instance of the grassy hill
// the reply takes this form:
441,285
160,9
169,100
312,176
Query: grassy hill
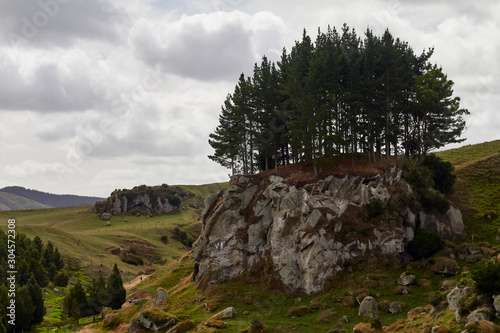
477,190
9,201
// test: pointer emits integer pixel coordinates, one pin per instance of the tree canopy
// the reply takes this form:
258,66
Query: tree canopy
341,94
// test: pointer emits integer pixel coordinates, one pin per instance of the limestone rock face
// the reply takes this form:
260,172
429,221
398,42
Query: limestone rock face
299,237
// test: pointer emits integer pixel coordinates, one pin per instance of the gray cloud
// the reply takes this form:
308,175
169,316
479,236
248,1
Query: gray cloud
61,23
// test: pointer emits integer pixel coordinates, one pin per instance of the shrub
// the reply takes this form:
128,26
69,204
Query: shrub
298,311
442,174
487,278
433,199
424,245
375,208
61,279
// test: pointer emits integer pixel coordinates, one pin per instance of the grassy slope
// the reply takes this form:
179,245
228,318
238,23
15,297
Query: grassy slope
477,190
81,235
9,201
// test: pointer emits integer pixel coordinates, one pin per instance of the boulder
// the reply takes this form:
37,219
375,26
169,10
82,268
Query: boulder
152,320
455,216
395,308
106,216
108,224
224,314
477,315
454,297
368,308
161,296
407,279
496,303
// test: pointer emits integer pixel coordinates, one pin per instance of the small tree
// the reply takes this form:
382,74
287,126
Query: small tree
97,296
37,300
487,278
75,303
116,294
61,279
424,245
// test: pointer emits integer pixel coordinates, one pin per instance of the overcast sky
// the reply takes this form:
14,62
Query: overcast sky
98,94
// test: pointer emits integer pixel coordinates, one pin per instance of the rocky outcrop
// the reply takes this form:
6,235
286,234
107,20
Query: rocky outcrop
299,237
144,200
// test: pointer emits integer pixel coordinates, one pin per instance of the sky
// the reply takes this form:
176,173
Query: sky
97,95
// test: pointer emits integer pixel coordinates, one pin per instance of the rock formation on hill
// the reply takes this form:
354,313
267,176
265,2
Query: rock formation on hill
297,238
144,200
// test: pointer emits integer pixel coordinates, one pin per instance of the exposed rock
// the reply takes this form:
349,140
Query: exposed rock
153,320
106,216
299,234
407,279
454,297
456,222
108,224
161,296
215,323
224,314
477,315
182,327
368,308
496,303
395,308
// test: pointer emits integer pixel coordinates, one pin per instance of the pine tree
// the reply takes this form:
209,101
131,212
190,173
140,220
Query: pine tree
440,118
36,296
24,309
116,293
97,295
75,303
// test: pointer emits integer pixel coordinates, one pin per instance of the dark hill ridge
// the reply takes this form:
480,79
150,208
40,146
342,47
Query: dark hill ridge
44,200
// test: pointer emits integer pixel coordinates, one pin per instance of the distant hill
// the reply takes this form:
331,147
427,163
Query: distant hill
18,198
9,201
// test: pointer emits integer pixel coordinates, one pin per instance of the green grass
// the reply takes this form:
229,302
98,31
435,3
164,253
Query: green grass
477,189
470,153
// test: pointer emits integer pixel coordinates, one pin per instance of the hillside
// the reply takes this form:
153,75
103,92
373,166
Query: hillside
40,199
477,189
9,201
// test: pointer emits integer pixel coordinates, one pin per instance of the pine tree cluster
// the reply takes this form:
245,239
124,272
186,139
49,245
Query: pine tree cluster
36,265
340,95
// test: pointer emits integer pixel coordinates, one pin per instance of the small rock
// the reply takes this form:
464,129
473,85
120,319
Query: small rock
161,296
106,216
298,300
407,279
224,314
246,312
56,290
395,308
108,224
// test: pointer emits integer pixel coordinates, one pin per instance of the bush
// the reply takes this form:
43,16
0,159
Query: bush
442,174
61,279
424,245
487,278
433,199
375,208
